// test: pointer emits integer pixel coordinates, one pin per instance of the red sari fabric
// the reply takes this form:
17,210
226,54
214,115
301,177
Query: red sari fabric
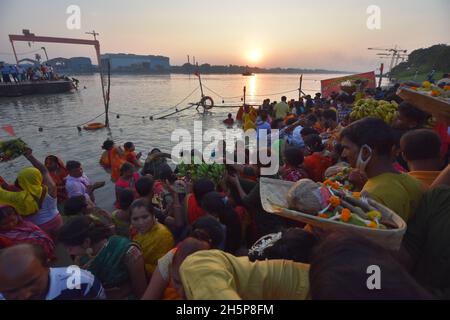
59,177
27,232
194,211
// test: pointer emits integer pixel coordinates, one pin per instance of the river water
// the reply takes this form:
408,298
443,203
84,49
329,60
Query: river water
132,96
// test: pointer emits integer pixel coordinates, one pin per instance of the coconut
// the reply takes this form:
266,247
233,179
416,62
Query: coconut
304,196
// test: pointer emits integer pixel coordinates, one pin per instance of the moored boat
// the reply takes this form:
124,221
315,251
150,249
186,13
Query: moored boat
35,87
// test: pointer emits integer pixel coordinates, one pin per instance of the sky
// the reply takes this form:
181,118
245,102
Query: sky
312,34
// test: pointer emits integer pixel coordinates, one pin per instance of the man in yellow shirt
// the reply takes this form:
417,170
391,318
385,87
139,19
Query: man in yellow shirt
367,145
216,275
281,109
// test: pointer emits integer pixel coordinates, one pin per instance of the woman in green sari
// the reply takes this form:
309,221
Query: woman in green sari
116,261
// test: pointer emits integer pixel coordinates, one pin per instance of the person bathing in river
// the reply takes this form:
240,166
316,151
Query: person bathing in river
131,155
112,158
229,121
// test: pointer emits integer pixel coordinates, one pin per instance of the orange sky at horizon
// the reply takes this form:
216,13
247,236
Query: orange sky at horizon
285,33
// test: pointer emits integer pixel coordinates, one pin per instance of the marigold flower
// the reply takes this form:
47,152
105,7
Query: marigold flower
323,215
435,93
372,224
335,185
356,194
334,201
328,182
346,215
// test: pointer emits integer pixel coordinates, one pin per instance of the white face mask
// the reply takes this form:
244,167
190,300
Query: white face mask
360,163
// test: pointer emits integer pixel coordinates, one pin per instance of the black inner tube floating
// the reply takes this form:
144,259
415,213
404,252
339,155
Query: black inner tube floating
207,103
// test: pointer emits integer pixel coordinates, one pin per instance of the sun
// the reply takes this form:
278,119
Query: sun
254,56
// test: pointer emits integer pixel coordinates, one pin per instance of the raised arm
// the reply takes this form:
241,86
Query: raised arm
47,179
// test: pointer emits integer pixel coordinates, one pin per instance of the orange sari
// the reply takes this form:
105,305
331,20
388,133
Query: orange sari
116,160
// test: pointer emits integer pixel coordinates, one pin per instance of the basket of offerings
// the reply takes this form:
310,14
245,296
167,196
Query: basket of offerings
330,206
429,98
11,149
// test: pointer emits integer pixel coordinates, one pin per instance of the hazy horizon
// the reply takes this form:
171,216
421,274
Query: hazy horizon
266,34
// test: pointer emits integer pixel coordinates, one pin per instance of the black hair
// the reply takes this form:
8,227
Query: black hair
75,205
314,141
421,144
155,150
295,244
75,231
312,118
307,131
166,173
141,202
107,144
275,123
217,205
70,165
412,113
264,115
293,156
4,212
125,167
208,228
125,198
201,187
371,131
340,270
128,145
329,115
283,98
290,121
144,186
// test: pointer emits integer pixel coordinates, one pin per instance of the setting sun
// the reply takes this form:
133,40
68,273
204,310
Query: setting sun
254,56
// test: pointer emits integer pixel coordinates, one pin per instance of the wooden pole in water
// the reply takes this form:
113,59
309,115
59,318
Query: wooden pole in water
381,75
300,88
200,80
245,89
100,69
107,96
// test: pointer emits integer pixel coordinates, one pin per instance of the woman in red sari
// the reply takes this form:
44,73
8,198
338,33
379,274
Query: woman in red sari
14,230
127,180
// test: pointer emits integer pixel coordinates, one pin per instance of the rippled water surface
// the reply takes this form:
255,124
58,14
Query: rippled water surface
130,95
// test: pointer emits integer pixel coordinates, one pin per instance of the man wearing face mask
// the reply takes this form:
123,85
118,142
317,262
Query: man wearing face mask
367,146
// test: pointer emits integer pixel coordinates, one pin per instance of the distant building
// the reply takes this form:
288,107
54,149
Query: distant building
81,64
121,62
72,65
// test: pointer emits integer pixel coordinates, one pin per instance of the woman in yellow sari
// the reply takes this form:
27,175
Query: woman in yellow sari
35,197
154,238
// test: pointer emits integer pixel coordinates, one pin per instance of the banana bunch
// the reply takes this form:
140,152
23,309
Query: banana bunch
11,149
382,109
196,171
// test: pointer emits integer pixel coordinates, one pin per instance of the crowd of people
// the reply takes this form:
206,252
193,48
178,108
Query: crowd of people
172,237
12,73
